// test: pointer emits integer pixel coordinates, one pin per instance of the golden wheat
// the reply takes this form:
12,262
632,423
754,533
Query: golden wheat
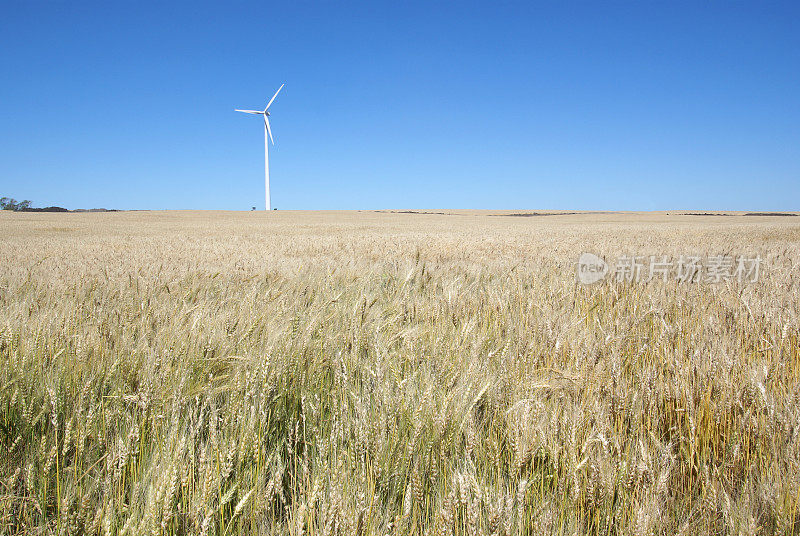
377,373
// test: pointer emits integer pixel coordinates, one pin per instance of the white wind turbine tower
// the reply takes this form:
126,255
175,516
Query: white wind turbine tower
267,133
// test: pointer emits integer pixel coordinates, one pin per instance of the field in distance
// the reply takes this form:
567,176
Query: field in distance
398,372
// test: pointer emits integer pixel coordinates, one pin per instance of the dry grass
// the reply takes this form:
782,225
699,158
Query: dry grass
363,373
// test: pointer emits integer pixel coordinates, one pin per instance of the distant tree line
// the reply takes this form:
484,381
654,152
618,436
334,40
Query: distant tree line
9,203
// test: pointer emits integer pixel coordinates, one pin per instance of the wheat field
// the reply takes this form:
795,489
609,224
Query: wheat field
368,373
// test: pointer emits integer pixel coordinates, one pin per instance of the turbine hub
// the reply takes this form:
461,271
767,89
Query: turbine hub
266,113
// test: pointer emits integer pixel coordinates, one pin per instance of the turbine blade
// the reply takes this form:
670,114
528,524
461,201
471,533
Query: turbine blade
250,111
269,130
273,97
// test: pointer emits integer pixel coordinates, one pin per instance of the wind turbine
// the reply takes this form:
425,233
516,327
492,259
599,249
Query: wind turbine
267,133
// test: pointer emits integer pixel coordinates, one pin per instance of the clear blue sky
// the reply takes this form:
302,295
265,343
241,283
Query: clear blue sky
613,106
